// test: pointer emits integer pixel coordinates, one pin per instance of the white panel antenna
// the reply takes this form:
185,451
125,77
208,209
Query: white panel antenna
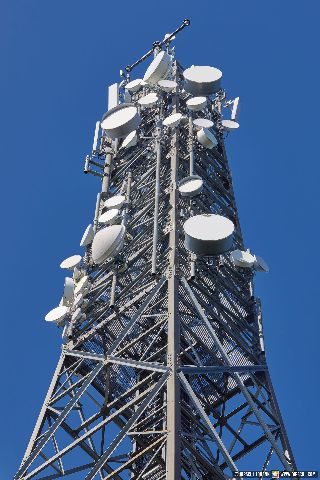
235,108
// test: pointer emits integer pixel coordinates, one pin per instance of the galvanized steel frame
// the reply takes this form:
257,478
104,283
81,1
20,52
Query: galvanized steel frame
169,363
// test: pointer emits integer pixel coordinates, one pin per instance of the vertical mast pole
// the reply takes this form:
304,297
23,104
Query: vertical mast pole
173,452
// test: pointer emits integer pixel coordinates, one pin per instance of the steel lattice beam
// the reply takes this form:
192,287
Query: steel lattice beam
166,376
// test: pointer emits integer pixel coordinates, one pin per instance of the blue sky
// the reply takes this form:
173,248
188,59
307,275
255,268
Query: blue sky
57,59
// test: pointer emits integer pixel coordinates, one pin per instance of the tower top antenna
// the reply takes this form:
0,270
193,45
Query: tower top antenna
157,45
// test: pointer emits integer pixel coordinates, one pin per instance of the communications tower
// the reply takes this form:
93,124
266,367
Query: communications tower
162,374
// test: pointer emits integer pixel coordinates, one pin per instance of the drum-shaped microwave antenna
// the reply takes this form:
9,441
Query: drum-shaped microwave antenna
87,237
57,314
202,80
121,120
107,243
167,85
173,120
196,103
158,68
131,140
230,125
71,262
134,85
109,217
242,258
206,138
114,202
190,186
208,234
81,286
202,123
148,100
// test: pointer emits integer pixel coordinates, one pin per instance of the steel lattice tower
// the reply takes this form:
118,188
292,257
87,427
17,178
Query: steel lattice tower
165,375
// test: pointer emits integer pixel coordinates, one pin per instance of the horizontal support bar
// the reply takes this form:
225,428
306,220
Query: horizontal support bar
197,370
155,367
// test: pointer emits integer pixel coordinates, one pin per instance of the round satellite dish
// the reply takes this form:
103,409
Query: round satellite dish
71,262
107,243
158,68
206,138
115,202
134,85
167,85
242,259
202,80
121,120
208,234
78,301
173,120
230,125
87,237
68,291
148,100
57,315
109,217
260,265
131,140
190,186
196,103
202,123
81,286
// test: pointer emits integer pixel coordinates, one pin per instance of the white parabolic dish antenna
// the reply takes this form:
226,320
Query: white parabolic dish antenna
208,234
230,125
158,68
71,262
242,258
110,216
121,120
202,123
107,243
206,138
196,103
202,80
134,85
148,100
173,120
81,285
87,237
190,186
114,202
167,85
131,140
57,314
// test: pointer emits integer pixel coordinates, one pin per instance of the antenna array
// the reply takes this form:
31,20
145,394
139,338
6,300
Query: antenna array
163,372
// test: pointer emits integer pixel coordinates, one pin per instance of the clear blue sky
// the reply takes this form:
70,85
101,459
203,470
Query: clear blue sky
57,58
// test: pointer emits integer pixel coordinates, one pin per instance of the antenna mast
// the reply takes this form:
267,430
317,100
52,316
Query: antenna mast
162,373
